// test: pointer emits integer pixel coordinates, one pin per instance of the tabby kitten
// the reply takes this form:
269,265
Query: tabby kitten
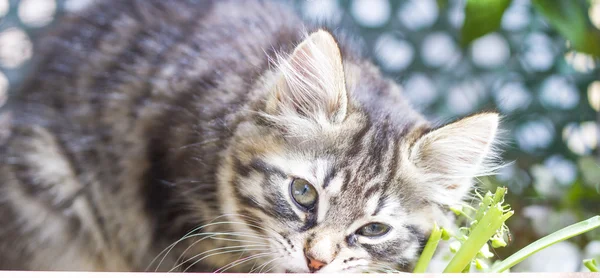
221,136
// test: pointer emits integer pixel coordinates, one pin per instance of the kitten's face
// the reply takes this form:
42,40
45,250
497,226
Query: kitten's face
334,205
332,188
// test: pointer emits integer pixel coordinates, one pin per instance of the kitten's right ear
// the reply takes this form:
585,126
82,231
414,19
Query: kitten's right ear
451,156
311,85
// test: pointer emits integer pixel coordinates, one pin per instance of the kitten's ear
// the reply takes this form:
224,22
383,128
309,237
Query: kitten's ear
311,83
451,156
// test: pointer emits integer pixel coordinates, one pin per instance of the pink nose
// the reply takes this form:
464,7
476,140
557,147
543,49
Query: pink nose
314,264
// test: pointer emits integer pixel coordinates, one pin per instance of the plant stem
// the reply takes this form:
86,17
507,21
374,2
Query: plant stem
429,250
591,265
493,219
558,236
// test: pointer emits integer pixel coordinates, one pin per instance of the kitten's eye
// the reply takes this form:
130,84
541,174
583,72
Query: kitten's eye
304,194
373,230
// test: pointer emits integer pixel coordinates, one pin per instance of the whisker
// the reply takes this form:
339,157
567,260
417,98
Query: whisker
382,267
212,235
241,261
269,270
237,240
169,248
250,221
261,267
211,250
221,253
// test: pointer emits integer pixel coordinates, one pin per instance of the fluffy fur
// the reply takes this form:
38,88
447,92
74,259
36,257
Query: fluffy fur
164,135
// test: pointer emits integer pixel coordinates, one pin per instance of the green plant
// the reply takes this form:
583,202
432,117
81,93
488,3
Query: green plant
429,250
567,17
487,228
591,265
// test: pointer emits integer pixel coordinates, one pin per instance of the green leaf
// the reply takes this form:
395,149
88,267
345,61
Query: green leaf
429,250
569,18
481,18
558,236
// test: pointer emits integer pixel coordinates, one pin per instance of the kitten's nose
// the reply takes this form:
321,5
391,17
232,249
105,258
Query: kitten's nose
313,264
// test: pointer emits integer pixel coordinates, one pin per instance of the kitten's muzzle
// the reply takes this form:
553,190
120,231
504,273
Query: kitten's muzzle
314,265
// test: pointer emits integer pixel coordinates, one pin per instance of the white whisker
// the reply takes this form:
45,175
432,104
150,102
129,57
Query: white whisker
169,248
211,236
241,261
240,249
239,237
261,267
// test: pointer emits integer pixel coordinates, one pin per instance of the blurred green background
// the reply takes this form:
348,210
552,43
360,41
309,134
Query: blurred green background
530,60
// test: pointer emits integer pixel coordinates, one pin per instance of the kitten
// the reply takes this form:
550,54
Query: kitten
221,136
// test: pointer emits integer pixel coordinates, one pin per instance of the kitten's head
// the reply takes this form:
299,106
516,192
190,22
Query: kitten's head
338,173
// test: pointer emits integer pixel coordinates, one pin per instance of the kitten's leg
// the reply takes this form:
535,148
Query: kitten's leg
46,220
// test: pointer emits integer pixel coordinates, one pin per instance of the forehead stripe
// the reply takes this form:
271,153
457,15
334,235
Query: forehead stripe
380,204
357,140
346,179
372,190
330,175
393,167
263,167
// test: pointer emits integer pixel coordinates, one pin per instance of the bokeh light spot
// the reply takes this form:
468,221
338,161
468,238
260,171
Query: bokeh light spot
535,135
538,53
512,96
517,16
563,170
322,11
594,13
15,47
3,88
490,51
371,13
581,138
418,14
559,92
4,6
594,95
393,54
37,13
420,89
439,49
456,13
464,97
580,61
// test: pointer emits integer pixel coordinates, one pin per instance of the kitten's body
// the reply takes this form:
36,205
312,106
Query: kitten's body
147,119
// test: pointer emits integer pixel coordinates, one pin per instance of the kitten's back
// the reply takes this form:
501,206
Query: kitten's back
101,123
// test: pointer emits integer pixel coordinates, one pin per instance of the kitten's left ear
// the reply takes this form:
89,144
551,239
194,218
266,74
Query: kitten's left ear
451,156
311,83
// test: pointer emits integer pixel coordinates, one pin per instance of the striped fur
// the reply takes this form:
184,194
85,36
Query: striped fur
148,119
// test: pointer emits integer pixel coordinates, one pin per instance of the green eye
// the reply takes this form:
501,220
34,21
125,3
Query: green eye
304,194
373,230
